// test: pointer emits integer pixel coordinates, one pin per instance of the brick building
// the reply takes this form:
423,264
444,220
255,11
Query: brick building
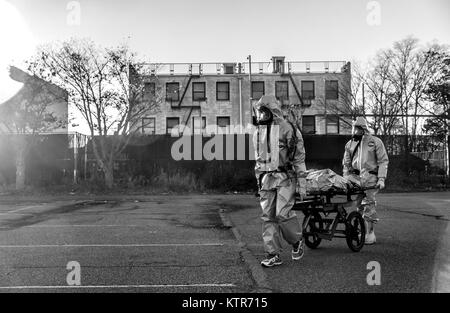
210,97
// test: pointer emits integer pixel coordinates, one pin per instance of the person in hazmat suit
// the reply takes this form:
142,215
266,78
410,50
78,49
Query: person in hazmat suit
280,171
366,162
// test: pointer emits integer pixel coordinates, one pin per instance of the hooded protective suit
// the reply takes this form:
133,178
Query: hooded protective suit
367,162
280,168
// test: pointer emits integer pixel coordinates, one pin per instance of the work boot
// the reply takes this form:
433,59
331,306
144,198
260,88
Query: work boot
298,250
271,260
370,238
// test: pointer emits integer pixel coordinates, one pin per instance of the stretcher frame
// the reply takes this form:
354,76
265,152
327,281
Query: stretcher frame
326,211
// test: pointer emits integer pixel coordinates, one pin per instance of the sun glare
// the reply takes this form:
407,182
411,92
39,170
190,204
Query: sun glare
17,43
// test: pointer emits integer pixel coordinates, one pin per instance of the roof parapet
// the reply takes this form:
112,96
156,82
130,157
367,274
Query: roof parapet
230,68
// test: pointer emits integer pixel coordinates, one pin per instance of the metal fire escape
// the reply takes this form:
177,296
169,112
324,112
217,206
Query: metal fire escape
297,92
180,102
279,66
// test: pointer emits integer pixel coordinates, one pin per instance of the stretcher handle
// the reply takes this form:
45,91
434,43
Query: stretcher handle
371,188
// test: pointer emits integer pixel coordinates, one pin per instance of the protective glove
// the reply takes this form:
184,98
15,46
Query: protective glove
347,174
380,184
301,187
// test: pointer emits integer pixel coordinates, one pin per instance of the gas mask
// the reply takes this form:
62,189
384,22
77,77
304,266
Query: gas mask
358,133
263,116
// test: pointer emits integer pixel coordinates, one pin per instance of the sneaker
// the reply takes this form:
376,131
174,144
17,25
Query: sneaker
370,238
271,260
298,250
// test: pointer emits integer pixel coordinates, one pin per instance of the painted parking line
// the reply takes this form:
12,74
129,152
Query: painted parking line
27,208
115,245
111,212
118,286
93,226
78,226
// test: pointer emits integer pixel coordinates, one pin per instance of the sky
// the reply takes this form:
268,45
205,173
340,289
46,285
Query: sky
221,30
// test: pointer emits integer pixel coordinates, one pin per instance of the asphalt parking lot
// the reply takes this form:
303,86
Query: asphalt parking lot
162,244
208,243
412,249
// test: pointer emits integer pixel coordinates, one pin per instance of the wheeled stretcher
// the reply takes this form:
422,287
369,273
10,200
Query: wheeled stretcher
326,217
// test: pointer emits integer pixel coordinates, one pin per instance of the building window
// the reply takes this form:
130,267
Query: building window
149,125
173,92
278,64
223,91
149,91
331,90
171,123
229,68
308,90
257,90
309,124
332,122
223,124
198,91
282,90
199,124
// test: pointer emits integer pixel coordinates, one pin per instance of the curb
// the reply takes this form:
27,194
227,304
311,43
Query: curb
258,274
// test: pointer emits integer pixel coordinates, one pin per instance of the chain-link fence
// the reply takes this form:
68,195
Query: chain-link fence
68,159
51,159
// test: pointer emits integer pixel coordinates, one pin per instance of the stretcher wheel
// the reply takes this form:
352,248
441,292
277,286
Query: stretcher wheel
355,229
314,226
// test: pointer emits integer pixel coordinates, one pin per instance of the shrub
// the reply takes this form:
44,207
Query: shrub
179,181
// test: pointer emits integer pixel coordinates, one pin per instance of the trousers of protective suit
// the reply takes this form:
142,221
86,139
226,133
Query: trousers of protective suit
279,221
368,206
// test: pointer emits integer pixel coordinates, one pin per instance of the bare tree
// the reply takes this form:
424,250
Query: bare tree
411,70
382,97
436,93
29,113
395,84
294,114
350,101
438,97
107,86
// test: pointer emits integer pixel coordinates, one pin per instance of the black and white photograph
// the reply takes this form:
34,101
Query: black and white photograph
222,153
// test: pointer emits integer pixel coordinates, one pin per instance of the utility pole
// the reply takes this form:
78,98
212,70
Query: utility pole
249,58
86,141
363,99
75,157
325,108
447,151
407,139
